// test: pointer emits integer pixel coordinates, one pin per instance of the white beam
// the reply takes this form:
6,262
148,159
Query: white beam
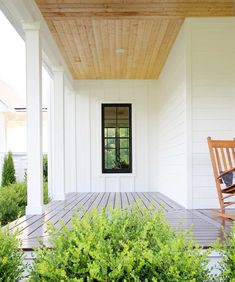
2,141
50,126
34,118
2,133
70,142
57,133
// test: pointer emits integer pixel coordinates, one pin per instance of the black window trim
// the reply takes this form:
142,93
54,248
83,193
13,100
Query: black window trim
120,170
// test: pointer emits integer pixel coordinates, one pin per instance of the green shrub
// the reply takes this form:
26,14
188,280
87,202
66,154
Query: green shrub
11,257
8,170
120,246
46,198
45,168
227,250
13,200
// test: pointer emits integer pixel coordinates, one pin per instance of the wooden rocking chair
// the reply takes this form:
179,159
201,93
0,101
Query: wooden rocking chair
222,153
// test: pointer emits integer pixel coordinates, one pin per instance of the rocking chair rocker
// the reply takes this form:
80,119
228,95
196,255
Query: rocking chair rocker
222,153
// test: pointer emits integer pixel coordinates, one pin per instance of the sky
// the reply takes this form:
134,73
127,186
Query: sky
12,61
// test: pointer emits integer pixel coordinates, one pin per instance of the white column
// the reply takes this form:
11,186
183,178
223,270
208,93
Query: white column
58,167
34,118
70,142
2,133
2,141
50,126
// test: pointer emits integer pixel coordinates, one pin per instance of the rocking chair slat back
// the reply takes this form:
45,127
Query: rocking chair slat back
222,154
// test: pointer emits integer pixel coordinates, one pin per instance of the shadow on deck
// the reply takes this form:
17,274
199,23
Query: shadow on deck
206,226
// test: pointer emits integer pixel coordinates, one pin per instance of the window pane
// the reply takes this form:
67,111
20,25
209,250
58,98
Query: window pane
110,123
124,143
110,113
123,113
123,123
109,143
124,158
110,132
124,132
110,158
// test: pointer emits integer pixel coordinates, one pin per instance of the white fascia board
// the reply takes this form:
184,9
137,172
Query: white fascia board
26,11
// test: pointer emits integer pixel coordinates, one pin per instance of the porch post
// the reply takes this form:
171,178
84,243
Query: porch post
50,126
2,141
34,118
58,167
2,133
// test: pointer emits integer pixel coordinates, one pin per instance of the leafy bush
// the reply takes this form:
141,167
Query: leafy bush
11,257
8,171
46,198
45,168
13,200
227,250
120,246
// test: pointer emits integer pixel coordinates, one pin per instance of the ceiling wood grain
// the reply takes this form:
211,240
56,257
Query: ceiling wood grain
88,32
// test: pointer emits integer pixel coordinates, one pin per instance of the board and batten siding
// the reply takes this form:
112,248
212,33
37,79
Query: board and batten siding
89,97
213,99
171,110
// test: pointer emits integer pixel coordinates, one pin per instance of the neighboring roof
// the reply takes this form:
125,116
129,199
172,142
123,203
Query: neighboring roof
8,98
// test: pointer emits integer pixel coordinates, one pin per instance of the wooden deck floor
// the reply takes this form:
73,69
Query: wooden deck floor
205,224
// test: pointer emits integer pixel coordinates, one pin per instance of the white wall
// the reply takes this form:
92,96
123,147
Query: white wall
90,96
172,148
194,98
213,99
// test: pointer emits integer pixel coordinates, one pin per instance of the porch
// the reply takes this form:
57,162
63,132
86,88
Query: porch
206,226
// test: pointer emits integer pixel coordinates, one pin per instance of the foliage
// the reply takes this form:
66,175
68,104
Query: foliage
120,246
46,198
13,200
11,257
45,168
8,171
227,250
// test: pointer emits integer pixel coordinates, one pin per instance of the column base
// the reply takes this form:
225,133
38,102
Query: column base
32,210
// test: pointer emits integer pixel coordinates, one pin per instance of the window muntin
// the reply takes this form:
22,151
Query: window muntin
116,138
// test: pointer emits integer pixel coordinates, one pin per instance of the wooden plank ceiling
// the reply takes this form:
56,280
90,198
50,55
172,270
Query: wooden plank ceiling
122,39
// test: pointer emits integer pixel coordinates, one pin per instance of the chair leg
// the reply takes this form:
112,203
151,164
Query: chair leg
222,214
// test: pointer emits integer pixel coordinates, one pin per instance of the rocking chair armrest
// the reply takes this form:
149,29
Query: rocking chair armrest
225,172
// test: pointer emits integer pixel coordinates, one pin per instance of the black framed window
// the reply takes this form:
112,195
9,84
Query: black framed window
116,138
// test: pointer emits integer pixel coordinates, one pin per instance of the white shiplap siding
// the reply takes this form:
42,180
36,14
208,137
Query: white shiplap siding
213,94
172,124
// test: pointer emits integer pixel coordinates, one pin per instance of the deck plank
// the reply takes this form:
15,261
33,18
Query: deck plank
40,222
117,201
204,224
125,202
104,201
